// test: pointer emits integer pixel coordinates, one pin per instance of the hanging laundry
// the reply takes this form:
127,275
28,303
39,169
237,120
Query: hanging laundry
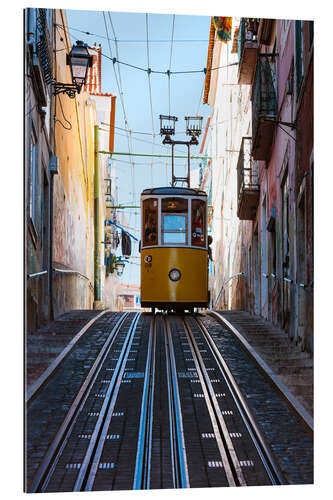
223,26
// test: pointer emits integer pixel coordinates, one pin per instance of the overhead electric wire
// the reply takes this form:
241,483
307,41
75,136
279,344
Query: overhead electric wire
169,70
120,89
135,41
150,99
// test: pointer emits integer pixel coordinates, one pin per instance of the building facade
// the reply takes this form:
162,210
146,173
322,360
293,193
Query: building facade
260,142
40,162
66,179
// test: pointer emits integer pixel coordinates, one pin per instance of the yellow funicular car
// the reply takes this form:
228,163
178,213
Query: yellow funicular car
174,243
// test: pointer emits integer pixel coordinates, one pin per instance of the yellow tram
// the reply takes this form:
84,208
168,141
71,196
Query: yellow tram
174,248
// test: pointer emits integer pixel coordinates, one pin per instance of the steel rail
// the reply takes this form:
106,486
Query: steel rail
177,442
257,437
53,453
89,467
144,448
227,451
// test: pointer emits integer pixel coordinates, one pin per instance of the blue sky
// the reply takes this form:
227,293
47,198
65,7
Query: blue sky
143,114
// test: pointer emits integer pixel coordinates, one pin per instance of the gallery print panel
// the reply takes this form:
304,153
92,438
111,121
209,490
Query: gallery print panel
168,250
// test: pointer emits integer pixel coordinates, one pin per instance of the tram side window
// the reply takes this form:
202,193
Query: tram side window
174,221
198,231
150,211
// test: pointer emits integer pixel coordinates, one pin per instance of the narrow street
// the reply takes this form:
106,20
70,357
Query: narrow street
168,251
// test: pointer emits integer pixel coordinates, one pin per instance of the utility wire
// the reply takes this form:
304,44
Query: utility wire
204,70
150,99
134,41
169,70
121,87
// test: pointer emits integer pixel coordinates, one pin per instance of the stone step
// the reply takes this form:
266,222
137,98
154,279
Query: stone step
296,363
291,369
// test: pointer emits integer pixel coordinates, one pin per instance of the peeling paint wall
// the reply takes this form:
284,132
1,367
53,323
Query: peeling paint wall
73,192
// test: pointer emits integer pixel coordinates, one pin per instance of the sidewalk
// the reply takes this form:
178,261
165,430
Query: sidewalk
292,365
45,344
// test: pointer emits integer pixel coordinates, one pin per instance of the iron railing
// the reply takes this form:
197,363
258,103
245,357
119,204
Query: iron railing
44,49
263,94
247,169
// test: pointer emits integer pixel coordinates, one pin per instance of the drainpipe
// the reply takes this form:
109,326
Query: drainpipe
53,167
98,304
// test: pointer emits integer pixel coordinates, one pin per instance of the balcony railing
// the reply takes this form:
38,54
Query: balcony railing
44,48
247,182
263,109
247,50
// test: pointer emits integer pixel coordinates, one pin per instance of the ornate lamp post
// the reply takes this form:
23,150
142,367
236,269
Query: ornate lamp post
79,60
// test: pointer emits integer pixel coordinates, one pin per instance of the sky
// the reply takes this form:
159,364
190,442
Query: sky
178,43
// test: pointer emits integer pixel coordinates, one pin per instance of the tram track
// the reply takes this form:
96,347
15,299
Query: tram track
258,440
52,457
159,408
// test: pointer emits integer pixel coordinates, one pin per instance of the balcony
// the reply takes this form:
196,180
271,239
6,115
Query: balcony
266,30
263,109
247,182
248,47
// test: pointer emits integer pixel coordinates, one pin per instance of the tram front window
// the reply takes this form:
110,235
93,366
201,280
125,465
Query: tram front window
174,229
174,221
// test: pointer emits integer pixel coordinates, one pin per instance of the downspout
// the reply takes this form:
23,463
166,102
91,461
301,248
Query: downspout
98,304
53,169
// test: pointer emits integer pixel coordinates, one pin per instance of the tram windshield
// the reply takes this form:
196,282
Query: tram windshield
174,221
150,212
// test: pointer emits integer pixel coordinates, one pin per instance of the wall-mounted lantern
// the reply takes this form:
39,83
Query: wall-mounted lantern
79,60
120,266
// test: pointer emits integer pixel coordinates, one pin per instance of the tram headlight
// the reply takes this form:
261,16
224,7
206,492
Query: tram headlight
174,274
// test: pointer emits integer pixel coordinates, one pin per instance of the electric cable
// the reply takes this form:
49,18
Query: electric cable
135,41
122,93
120,88
62,111
150,99
169,70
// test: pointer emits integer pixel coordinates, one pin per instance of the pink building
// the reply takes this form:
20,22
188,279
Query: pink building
276,59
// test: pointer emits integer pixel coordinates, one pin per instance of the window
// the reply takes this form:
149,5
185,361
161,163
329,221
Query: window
174,221
33,178
198,229
150,224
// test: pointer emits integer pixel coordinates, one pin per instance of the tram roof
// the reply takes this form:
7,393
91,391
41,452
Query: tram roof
180,191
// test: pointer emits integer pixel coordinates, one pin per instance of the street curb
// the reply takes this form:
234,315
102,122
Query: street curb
291,399
37,385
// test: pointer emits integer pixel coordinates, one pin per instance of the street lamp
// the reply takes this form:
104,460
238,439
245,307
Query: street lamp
120,265
79,60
